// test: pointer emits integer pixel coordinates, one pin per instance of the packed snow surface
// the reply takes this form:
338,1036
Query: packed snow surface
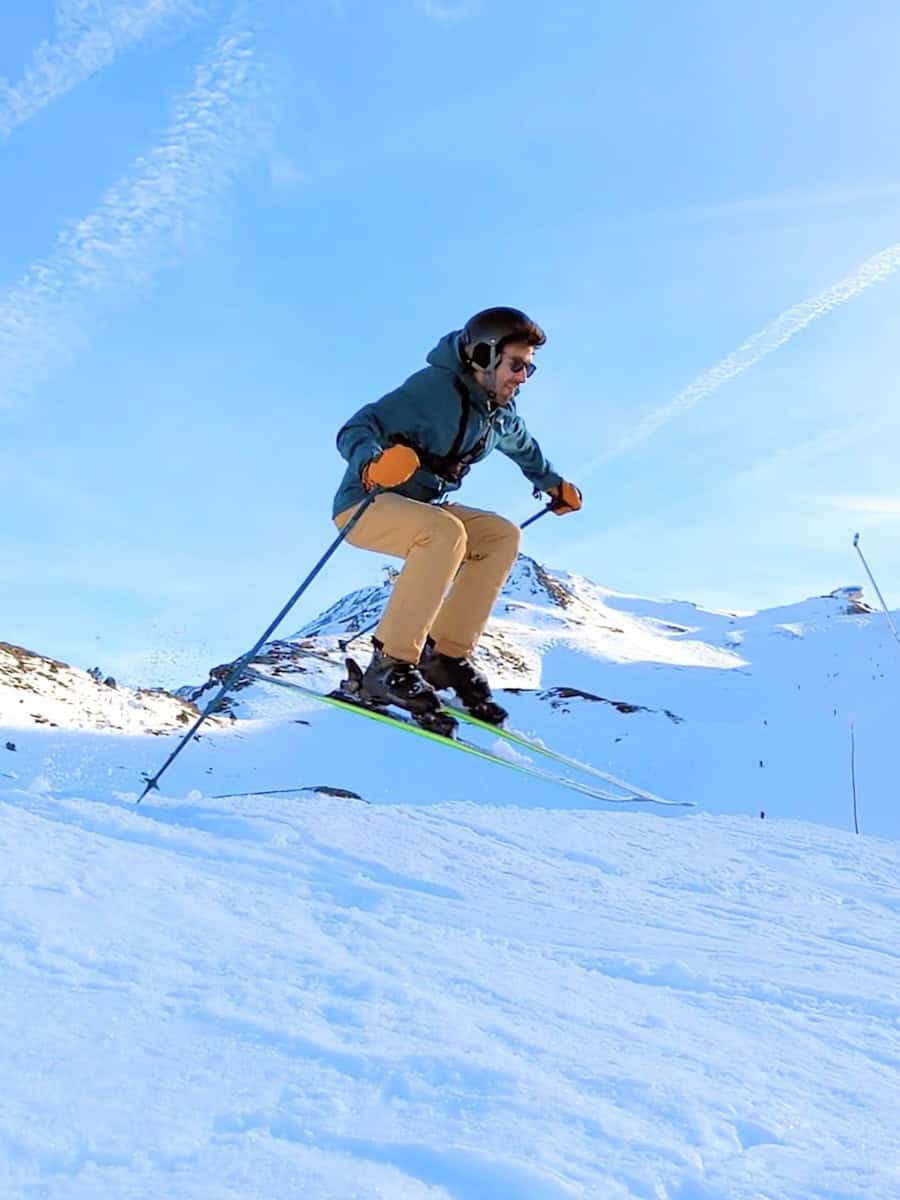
273,997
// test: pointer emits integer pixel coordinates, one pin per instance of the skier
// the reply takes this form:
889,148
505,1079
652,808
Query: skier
415,445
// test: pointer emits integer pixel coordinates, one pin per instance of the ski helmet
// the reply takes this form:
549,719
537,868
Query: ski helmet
485,335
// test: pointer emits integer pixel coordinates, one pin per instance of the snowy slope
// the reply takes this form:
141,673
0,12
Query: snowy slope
274,998
739,713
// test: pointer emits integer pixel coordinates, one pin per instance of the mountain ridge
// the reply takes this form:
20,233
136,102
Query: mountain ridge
739,712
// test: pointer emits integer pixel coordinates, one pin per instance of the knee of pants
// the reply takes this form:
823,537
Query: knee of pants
502,537
443,531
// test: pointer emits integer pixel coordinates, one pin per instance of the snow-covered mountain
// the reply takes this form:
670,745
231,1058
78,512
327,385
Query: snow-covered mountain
35,690
60,724
738,713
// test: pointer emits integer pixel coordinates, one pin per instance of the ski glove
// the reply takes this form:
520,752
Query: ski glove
565,499
392,467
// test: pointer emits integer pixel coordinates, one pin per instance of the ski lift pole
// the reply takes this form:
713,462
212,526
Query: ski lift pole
368,629
152,782
876,587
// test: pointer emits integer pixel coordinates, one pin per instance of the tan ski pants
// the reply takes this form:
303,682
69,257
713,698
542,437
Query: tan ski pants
445,546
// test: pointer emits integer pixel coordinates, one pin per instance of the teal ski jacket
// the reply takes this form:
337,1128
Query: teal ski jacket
438,410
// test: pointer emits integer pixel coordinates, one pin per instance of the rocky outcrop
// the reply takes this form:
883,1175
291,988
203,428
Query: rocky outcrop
39,691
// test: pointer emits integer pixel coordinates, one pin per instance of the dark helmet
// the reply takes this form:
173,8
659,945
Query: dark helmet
485,335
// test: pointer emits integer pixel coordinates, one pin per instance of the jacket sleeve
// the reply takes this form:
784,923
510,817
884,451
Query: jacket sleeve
517,443
370,430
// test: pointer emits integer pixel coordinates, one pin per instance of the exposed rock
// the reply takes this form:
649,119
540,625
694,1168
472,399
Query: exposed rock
853,595
325,789
557,696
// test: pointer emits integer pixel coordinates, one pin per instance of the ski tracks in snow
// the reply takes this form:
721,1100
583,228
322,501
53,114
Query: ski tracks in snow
319,997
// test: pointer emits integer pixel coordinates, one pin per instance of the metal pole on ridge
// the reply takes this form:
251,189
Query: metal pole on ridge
876,587
152,781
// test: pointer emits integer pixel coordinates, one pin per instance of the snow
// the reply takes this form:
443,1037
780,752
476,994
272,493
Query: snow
275,997
332,960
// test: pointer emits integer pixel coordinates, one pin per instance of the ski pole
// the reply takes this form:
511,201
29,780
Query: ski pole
152,782
876,587
537,516
368,629
342,646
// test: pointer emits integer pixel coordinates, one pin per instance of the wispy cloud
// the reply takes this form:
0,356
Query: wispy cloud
284,174
448,12
789,201
867,506
771,337
90,36
143,222
789,461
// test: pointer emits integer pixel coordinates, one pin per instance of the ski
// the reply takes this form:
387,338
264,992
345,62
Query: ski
409,726
534,747
529,745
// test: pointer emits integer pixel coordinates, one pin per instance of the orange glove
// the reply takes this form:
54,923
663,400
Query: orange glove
391,467
566,499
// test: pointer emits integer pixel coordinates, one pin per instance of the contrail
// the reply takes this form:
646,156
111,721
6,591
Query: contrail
91,34
142,222
874,270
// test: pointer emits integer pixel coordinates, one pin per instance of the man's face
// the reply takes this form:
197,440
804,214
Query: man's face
510,372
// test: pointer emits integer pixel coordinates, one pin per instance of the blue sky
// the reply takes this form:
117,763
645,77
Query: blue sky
227,226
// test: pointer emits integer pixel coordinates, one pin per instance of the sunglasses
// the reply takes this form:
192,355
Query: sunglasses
517,364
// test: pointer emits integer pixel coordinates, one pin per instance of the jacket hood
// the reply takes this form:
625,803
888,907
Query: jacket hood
446,353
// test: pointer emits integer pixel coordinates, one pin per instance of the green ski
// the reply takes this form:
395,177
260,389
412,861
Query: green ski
408,725
534,747
636,794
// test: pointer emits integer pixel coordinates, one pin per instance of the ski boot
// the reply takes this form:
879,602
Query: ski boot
462,676
389,681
